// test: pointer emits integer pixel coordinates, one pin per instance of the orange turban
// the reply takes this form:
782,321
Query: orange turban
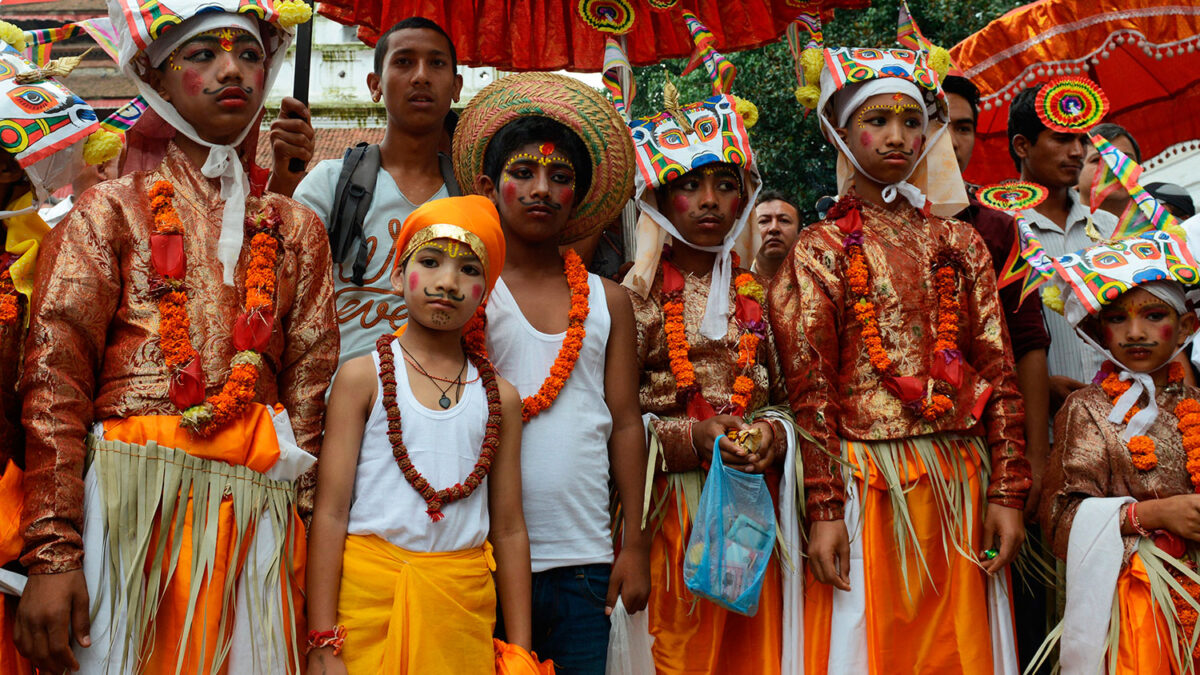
472,221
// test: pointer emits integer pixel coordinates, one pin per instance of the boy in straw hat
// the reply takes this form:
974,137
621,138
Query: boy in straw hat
554,156
708,368
420,474
181,315
44,130
894,348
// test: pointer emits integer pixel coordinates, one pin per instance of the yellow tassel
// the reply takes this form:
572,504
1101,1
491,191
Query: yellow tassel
101,146
808,96
746,110
14,36
293,13
939,60
812,60
1052,298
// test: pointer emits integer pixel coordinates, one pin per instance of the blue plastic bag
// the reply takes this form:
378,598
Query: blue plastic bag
733,532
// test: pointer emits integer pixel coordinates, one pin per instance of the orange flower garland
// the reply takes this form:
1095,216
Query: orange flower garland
1188,413
749,299
10,307
1141,448
568,354
252,330
947,371
1183,609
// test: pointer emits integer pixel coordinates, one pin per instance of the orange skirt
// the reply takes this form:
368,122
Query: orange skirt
12,497
695,637
248,441
1144,644
940,625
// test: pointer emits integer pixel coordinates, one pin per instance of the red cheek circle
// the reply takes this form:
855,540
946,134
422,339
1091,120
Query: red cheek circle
413,279
1107,334
508,191
260,77
736,205
568,196
680,204
193,84
917,144
1166,334
865,139
476,291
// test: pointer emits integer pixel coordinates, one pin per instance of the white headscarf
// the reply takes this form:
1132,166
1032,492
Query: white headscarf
223,162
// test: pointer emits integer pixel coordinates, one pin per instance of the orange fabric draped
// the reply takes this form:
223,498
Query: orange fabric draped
12,496
1144,643
513,660
249,441
941,628
694,637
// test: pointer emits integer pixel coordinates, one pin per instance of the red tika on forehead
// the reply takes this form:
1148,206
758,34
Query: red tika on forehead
546,149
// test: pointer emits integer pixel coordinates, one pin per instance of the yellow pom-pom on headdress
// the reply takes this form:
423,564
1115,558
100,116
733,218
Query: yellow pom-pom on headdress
101,146
809,96
812,60
1052,298
293,12
746,110
939,60
13,35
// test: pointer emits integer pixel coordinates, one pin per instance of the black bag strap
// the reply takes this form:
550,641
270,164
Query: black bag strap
447,168
355,189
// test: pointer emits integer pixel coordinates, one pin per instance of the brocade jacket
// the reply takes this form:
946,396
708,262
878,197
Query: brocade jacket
715,363
93,354
1089,459
834,389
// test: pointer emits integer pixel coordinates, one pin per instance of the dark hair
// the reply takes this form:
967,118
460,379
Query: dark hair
955,84
777,196
1023,120
450,124
535,129
381,47
1111,132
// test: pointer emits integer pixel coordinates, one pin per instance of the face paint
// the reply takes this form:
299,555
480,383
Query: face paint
476,292
546,149
413,279
865,139
917,144
193,83
681,204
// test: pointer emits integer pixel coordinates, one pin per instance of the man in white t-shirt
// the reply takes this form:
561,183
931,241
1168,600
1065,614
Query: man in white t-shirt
1053,160
416,77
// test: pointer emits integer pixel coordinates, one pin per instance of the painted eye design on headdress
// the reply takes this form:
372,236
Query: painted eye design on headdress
706,128
1108,261
1145,250
672,139
33,100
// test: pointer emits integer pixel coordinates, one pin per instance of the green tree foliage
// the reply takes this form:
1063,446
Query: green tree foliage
792,154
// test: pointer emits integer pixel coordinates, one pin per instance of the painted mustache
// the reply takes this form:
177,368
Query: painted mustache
1139,345
909,153
540,202
245,90
448,294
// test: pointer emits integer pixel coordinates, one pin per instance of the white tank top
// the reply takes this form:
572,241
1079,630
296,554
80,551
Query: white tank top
564,450
444,446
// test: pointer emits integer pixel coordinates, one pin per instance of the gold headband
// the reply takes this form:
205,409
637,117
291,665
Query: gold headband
447,231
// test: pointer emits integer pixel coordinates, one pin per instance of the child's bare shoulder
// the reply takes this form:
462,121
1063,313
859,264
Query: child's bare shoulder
356,374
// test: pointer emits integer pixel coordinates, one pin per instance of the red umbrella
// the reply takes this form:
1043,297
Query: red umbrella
1143,53
520,35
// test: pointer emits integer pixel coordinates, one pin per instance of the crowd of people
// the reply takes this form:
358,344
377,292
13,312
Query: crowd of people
514,448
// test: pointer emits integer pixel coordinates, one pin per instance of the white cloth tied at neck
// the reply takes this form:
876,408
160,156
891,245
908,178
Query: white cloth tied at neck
715,323
1141,421
223,163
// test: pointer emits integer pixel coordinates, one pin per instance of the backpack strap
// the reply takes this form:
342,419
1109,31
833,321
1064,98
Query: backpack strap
447,167
355,189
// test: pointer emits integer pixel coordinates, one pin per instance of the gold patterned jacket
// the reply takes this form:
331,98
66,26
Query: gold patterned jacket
1089,459
714,362
833,387
92,351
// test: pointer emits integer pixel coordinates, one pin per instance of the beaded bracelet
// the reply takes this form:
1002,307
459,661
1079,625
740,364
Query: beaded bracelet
334,637
1137,524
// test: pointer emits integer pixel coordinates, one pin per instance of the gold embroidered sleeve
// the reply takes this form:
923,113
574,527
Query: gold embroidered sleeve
310,356
803,300
1004,415
77,291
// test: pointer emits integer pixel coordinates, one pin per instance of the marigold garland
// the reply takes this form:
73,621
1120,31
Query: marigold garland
1142,448
568,354
1188,413
10,306
1184,610
749,318
252,329
435,499
858,279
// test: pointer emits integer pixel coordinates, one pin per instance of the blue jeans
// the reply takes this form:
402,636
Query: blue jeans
569,624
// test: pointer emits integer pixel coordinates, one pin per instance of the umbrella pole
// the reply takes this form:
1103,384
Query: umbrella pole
300,83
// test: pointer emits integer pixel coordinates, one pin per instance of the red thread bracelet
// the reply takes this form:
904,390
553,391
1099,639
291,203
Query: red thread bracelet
1137,524
334,637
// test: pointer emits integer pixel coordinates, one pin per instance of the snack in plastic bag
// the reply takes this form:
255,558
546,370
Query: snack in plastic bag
629,643
733,532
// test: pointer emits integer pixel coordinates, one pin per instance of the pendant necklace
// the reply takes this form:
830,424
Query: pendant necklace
444,401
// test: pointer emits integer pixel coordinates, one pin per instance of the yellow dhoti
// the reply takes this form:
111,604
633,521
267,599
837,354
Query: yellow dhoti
1144,642
931,617
410,613
694,636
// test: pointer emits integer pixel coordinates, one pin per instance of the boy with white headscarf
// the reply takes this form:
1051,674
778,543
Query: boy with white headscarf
892,342
181,314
